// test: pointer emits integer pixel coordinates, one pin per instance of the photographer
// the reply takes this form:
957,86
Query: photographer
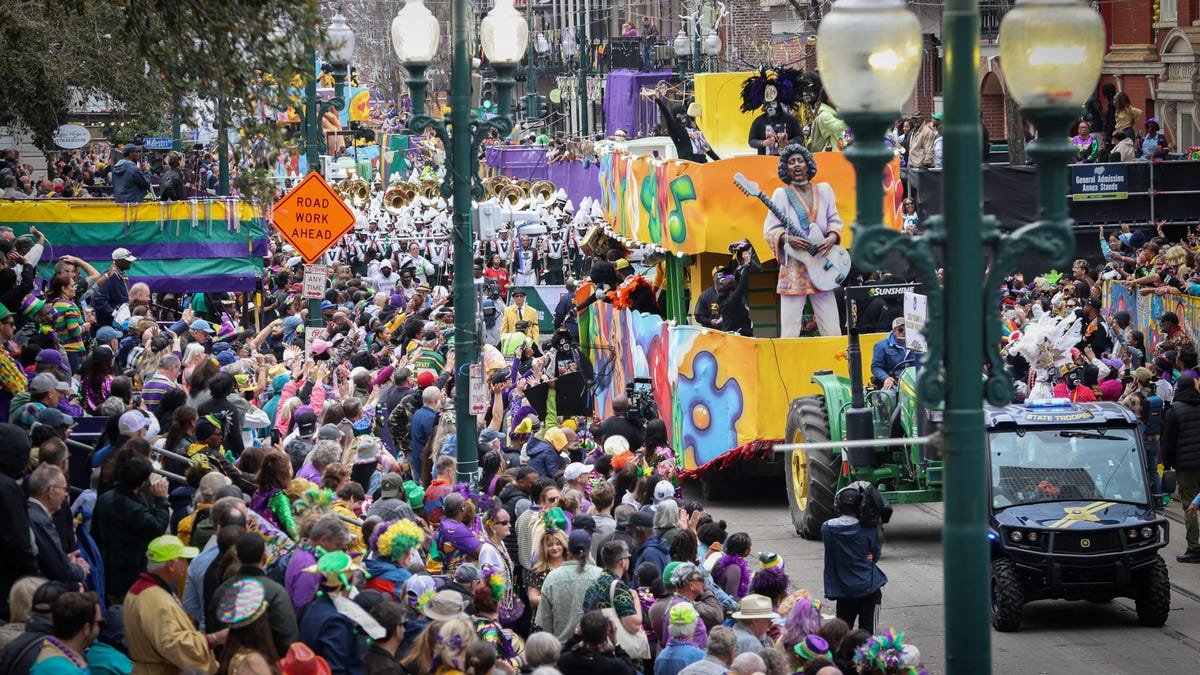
619,424
732,290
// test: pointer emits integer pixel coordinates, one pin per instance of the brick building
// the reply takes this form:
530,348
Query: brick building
1153,52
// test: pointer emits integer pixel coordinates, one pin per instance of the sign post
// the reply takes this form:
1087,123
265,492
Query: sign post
311,217
158,143
315,278
916,312
478,395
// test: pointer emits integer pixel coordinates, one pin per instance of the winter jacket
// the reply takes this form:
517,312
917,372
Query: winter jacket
282,616
159,633
51,558
920,147
543,458
578,661
123,527
18,559
1180,441
332,636
171,186
848,573
655,551
130,183
109,297
20,654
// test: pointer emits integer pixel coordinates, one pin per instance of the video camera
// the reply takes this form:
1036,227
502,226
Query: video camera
642,407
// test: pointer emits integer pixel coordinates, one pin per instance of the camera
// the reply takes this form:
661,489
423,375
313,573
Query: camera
642,407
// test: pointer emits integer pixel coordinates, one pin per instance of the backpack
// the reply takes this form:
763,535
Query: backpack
400,421
489,313
1155,408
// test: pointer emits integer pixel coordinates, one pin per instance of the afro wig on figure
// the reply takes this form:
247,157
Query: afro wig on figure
786,154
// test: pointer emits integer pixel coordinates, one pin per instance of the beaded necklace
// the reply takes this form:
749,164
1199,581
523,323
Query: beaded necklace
67,652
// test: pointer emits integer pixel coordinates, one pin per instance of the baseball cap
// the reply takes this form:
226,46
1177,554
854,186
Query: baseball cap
131,422
53,417
168,547
488,436
107,334
663,490
123,254
390,485
684,573
641,519
46,595
306,423
576,469
50,357
426,378
622,264
1143,374
466,573
128,150
202,325
45,382
579,540
584,522
329,432
320,347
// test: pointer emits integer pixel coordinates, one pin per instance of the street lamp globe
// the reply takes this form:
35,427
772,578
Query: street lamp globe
1051,53
341,41
504,34
415,33
569,46
712,44
683,46
869,54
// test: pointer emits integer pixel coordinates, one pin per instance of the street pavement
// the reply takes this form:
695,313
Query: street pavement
1056,638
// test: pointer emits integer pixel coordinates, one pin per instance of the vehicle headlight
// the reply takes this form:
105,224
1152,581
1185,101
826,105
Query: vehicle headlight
1147,532
1133,533
1015,536
1032,537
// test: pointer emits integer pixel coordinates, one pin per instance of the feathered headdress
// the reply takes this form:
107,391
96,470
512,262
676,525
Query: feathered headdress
887,654
494,580
314,498
781,85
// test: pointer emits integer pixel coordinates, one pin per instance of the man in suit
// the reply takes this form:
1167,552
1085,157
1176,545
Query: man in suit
47,493
520,311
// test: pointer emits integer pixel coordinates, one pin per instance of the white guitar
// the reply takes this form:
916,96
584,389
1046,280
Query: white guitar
826,272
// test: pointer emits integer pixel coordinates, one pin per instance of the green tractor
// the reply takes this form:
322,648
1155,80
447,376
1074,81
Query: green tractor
904,473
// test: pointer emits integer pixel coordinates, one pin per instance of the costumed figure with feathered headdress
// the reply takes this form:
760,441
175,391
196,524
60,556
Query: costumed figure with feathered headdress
1046,345
776,91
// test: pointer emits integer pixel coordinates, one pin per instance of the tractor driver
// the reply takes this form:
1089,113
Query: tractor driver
890,353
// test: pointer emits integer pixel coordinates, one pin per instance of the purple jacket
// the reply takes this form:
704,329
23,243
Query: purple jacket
301,586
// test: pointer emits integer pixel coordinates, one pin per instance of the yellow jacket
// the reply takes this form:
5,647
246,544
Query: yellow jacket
526,313
357,545
160,635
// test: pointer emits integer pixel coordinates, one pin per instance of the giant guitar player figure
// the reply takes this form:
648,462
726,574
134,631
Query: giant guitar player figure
808,205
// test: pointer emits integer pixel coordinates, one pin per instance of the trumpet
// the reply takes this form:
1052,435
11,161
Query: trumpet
398,196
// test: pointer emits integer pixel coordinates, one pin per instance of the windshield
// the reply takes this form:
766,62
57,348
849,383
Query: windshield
1065,464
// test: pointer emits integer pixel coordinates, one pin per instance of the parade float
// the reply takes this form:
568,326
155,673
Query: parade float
724,397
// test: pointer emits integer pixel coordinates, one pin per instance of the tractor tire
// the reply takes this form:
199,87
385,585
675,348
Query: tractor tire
1007,596
812,476
1153,599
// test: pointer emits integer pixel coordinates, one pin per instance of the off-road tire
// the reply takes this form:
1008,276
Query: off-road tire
1008,597
1153,599
807,422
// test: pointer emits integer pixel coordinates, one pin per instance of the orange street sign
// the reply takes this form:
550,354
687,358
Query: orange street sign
312,217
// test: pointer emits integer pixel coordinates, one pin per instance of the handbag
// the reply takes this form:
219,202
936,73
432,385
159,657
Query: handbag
636,645
510,609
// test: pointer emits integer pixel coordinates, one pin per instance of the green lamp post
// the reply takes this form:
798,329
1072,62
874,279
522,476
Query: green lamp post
869,52
504,34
